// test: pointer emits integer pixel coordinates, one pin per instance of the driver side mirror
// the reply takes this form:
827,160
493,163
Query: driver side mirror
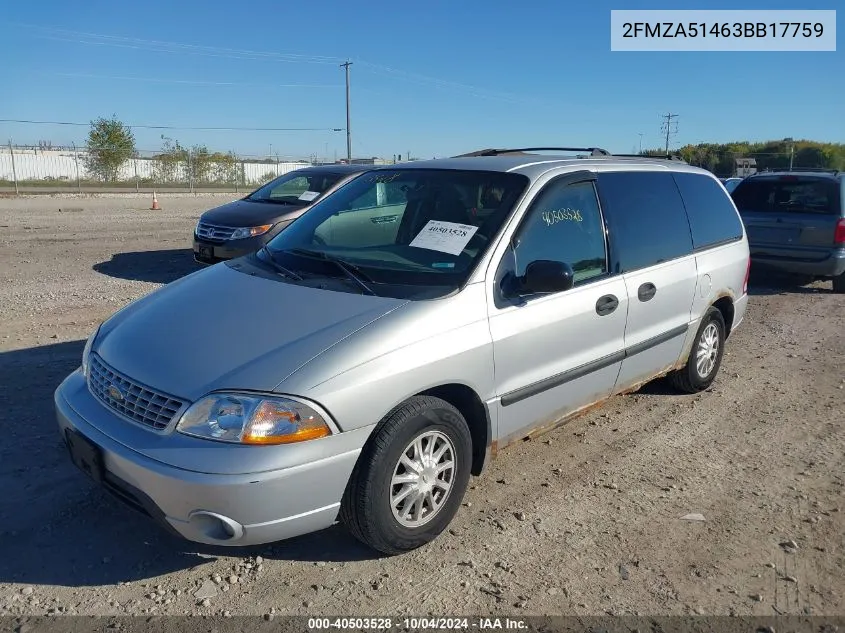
545,276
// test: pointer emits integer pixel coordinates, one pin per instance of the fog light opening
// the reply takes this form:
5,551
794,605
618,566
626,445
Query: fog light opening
216,526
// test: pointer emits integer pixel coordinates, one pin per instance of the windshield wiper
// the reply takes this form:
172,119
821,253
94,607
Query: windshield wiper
277,266
352,272
269,200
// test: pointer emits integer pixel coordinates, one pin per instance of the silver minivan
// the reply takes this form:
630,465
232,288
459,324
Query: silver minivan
379,351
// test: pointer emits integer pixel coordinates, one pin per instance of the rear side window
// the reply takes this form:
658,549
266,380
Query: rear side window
712,217
788,194
645,218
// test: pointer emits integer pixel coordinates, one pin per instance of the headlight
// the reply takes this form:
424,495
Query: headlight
251,231
252,419
86,351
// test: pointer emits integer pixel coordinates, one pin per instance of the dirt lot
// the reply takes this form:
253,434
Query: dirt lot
585,520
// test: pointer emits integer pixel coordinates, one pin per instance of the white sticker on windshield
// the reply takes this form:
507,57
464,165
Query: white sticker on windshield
446,237
308,196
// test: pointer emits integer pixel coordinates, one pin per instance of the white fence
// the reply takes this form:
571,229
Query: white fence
36,166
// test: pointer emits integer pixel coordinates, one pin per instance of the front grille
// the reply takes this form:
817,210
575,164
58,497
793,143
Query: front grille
138,403
214,232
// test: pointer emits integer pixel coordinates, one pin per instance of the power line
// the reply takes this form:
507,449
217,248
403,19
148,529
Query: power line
190,82
425,80
81,37
176,127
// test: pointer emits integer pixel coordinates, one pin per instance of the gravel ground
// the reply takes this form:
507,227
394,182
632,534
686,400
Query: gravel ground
584,520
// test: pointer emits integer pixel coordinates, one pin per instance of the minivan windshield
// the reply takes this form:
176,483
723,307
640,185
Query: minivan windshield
424,227
295,187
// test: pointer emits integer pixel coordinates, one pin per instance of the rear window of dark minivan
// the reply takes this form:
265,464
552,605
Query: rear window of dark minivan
789,194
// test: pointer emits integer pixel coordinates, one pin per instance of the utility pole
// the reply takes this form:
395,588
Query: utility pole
641,142
346,65
791,142
667,128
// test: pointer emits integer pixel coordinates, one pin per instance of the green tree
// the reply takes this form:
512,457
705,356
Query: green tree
225,167
200,163
720,157
110,144
168,162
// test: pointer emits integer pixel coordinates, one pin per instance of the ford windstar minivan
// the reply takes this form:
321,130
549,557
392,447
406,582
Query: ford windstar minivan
375,354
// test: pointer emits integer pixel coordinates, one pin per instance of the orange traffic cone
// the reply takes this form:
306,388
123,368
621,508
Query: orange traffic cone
155,206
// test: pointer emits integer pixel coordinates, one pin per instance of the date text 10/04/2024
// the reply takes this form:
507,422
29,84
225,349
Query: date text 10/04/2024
411,623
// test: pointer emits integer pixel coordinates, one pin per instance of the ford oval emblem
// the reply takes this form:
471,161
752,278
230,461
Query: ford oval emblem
115,393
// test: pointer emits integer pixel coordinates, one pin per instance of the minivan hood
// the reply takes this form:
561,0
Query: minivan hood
222,329
247,213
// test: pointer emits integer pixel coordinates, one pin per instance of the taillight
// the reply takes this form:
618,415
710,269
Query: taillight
747,276
839,234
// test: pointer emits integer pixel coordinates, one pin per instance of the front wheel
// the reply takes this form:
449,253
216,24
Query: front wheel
410,478
705,357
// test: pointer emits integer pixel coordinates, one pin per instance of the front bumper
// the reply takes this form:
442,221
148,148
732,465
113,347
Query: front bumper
233,510
213,252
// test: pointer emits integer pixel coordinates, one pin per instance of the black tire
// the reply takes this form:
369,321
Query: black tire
689,379
366,509
839,284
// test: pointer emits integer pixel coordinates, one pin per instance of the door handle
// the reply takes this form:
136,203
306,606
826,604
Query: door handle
606,304
646,292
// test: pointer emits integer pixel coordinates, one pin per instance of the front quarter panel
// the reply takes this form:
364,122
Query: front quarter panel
424,345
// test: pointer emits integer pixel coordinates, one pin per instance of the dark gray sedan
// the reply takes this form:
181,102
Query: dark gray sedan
244,226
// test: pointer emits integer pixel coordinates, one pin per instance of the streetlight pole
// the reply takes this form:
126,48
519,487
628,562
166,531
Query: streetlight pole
791,150
346,65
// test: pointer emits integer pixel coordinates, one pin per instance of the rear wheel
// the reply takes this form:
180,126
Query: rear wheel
839,284
410,478
705,357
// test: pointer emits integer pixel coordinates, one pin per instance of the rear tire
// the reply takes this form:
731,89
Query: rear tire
839,284
403,491
705,357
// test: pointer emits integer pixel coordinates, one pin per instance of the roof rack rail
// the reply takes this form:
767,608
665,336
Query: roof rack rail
653,157
594,151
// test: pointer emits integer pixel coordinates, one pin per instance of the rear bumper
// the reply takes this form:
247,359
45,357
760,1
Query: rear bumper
831,263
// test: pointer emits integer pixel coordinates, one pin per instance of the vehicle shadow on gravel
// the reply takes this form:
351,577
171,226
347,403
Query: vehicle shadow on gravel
59,528
768,283
160,267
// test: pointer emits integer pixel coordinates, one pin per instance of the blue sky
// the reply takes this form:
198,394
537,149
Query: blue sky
433,78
